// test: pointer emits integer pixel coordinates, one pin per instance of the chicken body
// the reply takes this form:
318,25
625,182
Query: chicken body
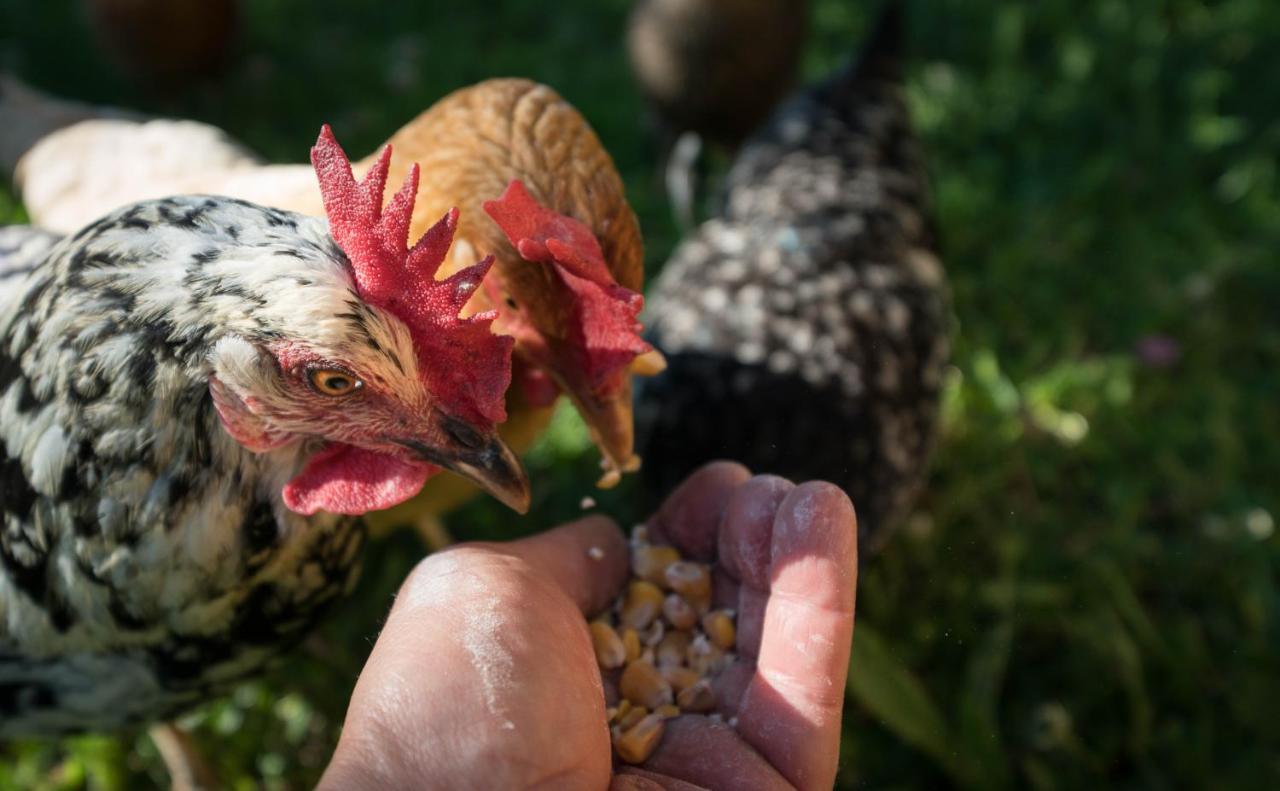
73,162
806,327
147,557
471,144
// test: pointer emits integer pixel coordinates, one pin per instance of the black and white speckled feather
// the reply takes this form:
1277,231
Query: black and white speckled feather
22,249
146,559
806,327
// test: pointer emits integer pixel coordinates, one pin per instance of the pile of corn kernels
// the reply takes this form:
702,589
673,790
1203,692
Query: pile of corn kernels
659,646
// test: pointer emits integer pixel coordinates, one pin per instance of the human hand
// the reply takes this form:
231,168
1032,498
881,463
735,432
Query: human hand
484,675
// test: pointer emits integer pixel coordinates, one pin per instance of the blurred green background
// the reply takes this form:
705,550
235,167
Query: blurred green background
1090,592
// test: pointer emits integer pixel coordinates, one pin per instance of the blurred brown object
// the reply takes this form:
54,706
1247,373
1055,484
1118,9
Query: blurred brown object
164,43
716,67
712,70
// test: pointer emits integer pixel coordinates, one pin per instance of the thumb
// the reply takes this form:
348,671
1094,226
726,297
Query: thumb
586,558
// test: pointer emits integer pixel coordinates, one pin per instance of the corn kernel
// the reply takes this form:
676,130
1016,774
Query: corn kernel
697,698
610,652
719,627
654,634
650,563
644,686
642,604
691,580
673,648
633,715
680,678
668,711
704,656
638,743
620,710
631,644
679,612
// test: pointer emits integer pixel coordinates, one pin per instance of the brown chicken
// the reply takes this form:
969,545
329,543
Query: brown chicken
574,322
471,145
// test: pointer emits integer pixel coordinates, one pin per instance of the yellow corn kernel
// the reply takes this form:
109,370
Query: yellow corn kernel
673,649
639,742
641,605
680,678
620,710
668,711
650,563
678,612
610,652
697,698
690,580
631,644
718,625
644,686
704,656
633,715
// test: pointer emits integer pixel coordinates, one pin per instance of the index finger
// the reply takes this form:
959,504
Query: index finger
791,709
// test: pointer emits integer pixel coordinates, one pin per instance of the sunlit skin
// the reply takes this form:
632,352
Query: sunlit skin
484,675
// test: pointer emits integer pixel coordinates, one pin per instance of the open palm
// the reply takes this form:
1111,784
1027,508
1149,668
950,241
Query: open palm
484,676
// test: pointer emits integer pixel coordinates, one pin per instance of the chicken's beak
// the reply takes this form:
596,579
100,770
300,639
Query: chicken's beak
497,470
485,460
610,423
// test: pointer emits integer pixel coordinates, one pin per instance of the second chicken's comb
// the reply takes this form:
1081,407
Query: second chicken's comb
605,314
463,363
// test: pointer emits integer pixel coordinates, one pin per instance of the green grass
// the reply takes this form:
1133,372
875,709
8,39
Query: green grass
1090,592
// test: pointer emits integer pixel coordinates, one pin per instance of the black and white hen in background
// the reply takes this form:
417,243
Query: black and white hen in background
806,327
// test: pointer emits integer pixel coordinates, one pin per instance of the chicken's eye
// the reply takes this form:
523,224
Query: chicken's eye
333,383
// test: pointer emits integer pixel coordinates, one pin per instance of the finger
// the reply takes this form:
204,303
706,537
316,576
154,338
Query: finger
587,558
724,590
690,518
746,551
729,686
634,782
791,709
629,778
746,536
710,754
751,607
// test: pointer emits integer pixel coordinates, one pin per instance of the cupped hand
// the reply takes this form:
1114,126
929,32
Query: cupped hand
484,674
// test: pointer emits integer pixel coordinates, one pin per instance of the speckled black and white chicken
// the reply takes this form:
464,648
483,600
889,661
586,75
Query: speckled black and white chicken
806,327
197,396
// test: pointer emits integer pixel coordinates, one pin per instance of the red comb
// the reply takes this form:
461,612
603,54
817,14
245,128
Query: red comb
605,323
463,363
